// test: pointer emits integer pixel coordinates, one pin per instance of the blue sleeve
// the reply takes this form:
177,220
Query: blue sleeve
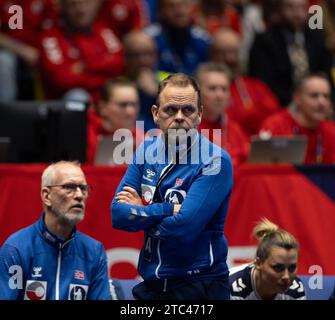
11,273
99,286
135,218
206,195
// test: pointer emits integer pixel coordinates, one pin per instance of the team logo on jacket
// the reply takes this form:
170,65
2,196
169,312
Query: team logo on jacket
179,182
147,193
77,292
175,196
149,174
37,272
35,290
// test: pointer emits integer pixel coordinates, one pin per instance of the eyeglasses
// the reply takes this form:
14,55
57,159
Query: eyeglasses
186,110
71,188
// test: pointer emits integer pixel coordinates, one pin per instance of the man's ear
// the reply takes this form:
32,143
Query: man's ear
45,195
199,116
100,108
154,111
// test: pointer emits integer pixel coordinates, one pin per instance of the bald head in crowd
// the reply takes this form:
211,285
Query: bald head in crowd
225,49
140,51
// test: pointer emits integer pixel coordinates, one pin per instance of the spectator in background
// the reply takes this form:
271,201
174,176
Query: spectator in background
19,46
180,44
252,22
214,81
151,6
141,67
79,52
213,15
117,108
328,10
272,276
50,260
251,100
308,116
288,50
123,16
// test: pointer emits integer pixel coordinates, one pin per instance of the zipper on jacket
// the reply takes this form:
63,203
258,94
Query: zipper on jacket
58,271
211,253
59,262
159,259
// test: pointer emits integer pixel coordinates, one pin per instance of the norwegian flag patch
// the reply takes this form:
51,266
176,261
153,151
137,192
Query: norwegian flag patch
179,182
79,275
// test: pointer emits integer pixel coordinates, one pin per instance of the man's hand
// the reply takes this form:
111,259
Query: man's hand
176,209
129,196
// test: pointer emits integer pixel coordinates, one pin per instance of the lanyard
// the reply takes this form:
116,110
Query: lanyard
243,93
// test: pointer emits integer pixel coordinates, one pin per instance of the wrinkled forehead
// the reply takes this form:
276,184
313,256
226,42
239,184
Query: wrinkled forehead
69,173
176,95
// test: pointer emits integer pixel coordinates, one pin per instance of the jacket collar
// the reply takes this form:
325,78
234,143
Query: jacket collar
49,236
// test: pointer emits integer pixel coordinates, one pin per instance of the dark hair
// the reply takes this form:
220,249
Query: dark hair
106,89
179,80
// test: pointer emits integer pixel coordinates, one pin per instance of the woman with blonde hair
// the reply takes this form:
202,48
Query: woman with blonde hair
272,275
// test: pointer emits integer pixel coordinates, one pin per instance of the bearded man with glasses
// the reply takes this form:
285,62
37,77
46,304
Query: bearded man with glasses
50,260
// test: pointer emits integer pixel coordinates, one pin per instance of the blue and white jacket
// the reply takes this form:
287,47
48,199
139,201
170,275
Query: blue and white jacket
180,50
190,244
37,265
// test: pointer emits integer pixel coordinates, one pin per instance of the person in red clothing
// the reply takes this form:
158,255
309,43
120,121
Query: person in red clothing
214,81
38,15
79,52
123,16
212,15
251,99
117,108
308,116
21,23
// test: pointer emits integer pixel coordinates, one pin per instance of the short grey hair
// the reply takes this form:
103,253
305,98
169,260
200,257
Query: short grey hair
49,174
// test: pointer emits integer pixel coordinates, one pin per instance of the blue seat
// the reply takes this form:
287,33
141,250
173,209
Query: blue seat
121,289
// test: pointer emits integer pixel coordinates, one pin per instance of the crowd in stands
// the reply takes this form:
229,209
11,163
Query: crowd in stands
272,67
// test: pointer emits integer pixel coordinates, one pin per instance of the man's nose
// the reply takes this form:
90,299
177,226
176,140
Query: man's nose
179,116
79,193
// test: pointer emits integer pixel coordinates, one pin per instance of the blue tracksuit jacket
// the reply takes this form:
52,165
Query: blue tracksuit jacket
180,50
190,244
37,265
